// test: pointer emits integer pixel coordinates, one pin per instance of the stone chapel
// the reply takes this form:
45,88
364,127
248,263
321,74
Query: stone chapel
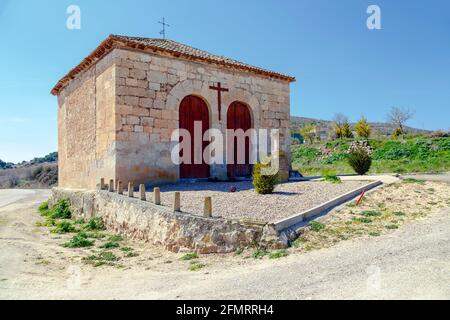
118,108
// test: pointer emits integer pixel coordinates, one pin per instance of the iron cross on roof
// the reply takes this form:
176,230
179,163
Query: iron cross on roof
163,31
219,95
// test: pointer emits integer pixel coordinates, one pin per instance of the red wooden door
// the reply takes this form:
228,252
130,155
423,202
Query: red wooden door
194,109
238,117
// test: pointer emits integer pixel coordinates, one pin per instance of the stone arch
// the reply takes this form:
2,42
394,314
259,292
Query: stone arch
192,88
247,98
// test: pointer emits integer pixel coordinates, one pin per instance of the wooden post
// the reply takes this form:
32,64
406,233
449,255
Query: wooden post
111,185
156,196
102,184
130,189
119,187
176,202
142,192
207,209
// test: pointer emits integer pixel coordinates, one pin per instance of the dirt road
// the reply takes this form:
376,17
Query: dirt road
412,262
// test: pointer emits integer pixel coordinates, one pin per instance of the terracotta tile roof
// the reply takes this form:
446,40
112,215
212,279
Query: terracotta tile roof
170,47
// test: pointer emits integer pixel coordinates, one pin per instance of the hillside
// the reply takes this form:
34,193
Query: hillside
392,156
379,128
36,173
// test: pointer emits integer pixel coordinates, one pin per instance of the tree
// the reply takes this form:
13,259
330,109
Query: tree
309,132
347,131
397,117
362,128
339,122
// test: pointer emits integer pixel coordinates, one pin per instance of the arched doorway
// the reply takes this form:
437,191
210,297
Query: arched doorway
238,117
193,109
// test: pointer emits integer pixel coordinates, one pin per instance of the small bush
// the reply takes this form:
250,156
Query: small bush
370,213
79,241
189,256
259,253
115,238
330,176
63,227
279,254
43,208
362,220
61,210
110,245
264,183
95,224
316,226
360,161
196,266
103,258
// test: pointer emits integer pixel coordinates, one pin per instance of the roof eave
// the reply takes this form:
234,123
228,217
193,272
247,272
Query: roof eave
113,42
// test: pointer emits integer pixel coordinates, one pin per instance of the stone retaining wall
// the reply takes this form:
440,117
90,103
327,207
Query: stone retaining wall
159,225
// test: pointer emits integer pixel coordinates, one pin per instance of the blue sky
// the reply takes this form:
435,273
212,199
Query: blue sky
340,65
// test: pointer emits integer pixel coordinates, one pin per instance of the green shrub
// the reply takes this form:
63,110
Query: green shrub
189,256
43,208
61,210
279,254
264,183
80,240
259,253
110,245
115,238
316,226
195,266
330,176
63,227
103,258
95,224
360,161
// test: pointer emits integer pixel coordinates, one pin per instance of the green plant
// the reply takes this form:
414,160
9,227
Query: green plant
316,226
43,208
259,253
61,210
189,256
80,221
63,227
238,252
103,258
330,176
110,245
264,178
278,254
95,224
370,213
362,220
126,249
360,161
79,241
362,128
115,238
374,234
196,266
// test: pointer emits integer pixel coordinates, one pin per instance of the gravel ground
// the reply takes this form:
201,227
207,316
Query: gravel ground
288,199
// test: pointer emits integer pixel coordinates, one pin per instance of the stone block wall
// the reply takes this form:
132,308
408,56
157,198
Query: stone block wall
158,225
86,127
115,120
149,91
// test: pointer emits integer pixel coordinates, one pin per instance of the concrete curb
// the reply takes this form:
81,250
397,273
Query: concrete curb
287,223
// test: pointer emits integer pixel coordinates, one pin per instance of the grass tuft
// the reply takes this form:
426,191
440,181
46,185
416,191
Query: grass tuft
189,256
279,254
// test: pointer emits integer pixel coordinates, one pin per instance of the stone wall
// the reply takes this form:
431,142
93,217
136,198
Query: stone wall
150,88
115,119
159,225
87,128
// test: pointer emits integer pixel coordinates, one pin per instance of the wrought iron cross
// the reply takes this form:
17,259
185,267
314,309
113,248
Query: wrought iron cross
163,31
219,95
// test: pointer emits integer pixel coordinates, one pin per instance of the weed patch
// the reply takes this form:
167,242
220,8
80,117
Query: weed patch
278,254
189,256
80,240
316,226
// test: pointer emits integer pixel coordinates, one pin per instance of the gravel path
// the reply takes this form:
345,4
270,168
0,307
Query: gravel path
288,198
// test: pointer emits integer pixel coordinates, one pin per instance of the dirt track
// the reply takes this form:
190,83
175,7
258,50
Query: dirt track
411,262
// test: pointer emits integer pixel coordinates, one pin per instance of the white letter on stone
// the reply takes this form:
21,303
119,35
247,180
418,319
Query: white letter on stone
74,20
374,20
213,153
183,146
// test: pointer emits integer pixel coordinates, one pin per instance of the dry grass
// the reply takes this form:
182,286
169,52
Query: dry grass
380,212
